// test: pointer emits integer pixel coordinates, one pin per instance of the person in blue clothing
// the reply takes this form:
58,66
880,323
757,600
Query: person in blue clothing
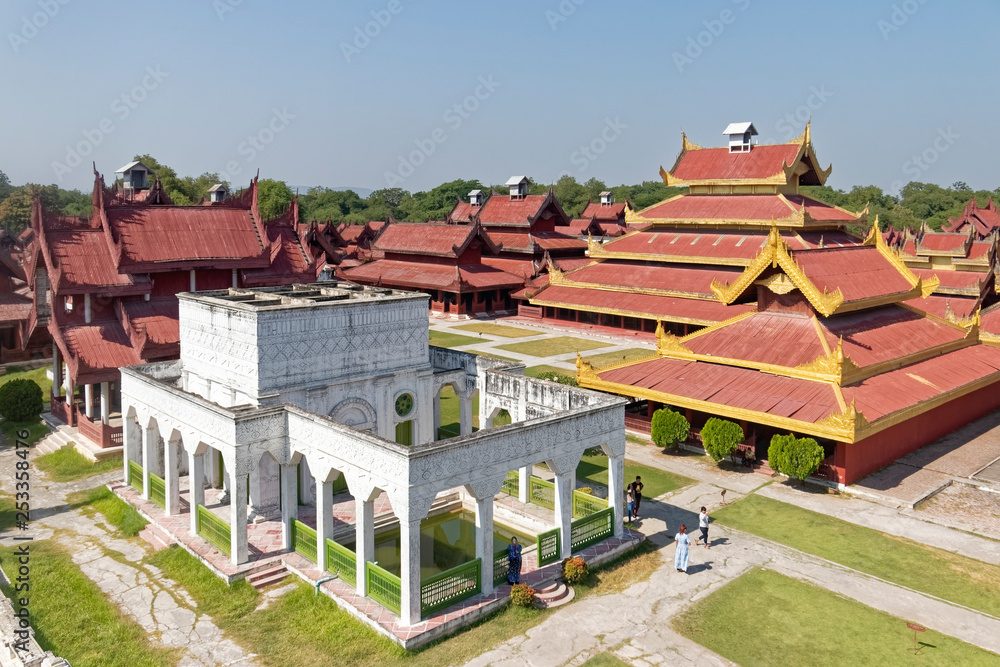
681,555
513,562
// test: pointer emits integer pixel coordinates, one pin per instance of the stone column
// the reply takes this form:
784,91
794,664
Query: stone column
132,451
105,402
465,413
364,538
289,502
409,568
171,478
196,482
57,381
324,520
151,436
437,414
524,484
484,491
616,490
564,468
238,516
305,480
88,401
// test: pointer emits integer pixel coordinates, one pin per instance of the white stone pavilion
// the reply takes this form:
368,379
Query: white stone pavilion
340,377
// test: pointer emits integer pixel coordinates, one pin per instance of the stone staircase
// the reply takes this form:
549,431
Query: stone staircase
62,435
555,594
271,575
156,537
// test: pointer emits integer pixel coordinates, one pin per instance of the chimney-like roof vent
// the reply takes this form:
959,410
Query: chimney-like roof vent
607,198
476,197
741,137
518,187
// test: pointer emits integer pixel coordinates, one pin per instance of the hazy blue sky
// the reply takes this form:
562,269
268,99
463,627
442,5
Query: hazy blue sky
886,81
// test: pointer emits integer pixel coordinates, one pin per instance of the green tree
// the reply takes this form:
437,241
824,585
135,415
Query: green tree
437,203
20,400
326,204
273,198
798,457
669,428
5,187
571,195
183,191
721,437
778,451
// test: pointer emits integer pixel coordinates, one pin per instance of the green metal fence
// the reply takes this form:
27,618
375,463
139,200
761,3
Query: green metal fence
592,529
157,490
501,566
450,587
304,540
342,562
548,547
542,492
214,529
135,476
585,504
383,586
511,484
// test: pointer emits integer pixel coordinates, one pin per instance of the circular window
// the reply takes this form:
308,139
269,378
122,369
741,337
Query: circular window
404,404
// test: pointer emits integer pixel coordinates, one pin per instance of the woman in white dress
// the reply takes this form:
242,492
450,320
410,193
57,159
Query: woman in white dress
681,555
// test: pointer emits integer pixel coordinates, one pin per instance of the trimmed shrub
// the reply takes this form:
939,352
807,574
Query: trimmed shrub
575,570
796,457
721,437
669,428
778,452
20,400
522,595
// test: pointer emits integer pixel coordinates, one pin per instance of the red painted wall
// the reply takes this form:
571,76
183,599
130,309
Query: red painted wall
854,461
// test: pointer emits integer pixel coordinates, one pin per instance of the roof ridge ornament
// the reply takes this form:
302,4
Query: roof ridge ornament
584,370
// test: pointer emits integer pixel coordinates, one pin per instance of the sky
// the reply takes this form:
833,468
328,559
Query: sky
412,93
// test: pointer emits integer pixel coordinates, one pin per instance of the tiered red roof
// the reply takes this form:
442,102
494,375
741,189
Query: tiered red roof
984,221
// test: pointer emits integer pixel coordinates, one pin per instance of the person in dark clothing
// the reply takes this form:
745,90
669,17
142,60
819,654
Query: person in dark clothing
636,487
513,562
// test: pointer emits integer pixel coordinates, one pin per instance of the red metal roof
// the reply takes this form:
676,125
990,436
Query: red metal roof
611,229
954,279
523,268
719,164
463,212
79,260
736,208
501,210
558,241
819,210
94,352
674,309
731,386
153,326
288,264
151,236
571,263
859,272
940,305
719,244
783,339
689,278
431,276
990,319
890,392
579,226
940,242
14,307
602,212
425,239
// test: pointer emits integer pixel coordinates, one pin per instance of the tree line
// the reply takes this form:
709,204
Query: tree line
915,204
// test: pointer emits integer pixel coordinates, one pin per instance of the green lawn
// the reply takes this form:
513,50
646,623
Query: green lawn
594,468
122,516
502,330
38,375
451,412
74,619
446,339
946,575
608,358
67,464
8,512
36,431
545,372
764,618
551,347
604,660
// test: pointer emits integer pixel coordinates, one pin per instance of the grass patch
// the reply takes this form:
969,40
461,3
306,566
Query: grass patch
447,339
37,374
73,618
497,330
492,356
618,574
8,512
123,516
946,575
604,660
67,464
36,431
608,358
451,413
545,372
795,623
636,439
594,468
316,631
551,347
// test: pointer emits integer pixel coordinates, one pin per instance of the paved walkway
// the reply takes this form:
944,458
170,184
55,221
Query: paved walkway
164,610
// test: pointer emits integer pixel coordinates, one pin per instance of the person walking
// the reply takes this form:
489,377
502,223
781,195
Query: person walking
703,521
513,562
629,502
681,554
636,487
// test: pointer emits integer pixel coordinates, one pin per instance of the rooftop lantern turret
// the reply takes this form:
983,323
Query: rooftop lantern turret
217,193
607,199
476,197
518,187
135,176
741,137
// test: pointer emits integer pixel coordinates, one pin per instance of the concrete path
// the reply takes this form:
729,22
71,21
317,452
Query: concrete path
163,608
